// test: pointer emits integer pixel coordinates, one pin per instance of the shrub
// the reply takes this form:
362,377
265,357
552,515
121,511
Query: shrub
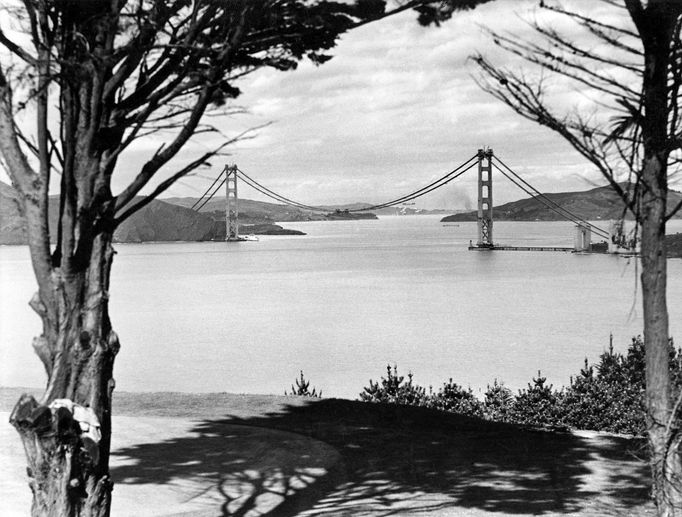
536,405
612,399
608,396
454,398
302,389
394,390
498,402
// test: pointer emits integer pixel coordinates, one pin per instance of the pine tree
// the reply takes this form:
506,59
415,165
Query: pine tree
536,405
498,402
302,389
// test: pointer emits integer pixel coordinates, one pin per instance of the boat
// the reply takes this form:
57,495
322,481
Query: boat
250,237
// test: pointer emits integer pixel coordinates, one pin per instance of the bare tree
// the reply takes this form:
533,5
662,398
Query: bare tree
94,77
629,64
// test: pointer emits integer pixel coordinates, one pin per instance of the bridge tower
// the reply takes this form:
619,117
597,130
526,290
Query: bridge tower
231,204
485,199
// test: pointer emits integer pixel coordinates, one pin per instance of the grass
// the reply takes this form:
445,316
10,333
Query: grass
284,456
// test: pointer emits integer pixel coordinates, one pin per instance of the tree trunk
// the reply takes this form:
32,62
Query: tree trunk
656,24
67,434
665,461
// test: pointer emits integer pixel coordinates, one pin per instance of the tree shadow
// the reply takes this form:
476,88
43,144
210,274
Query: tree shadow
382,460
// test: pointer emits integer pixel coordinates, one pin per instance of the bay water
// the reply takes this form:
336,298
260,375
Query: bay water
345,301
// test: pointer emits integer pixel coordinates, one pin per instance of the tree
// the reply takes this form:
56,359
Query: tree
95,77
302,389
394,390
632,73
536,405
456,399
99,75
498,402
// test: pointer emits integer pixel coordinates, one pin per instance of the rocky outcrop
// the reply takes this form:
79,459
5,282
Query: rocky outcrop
160,221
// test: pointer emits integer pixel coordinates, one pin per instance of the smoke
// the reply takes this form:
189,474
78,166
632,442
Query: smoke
450,196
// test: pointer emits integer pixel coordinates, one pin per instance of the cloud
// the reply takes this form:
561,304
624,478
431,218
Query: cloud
394,109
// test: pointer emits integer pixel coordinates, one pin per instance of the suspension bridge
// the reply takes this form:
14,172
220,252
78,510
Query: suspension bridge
484,160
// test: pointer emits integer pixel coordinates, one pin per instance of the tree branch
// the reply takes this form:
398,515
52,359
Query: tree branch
31,189
17,50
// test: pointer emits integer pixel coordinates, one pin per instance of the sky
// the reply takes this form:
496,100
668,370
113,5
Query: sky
396,108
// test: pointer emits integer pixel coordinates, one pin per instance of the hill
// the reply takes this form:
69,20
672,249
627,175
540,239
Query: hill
591,205
158,221
258,212
11,225
250,212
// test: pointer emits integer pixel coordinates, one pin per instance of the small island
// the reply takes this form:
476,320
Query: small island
347,215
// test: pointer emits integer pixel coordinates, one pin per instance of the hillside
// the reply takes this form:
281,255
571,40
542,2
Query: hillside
251,212
258,212
592,205
158,221
11,226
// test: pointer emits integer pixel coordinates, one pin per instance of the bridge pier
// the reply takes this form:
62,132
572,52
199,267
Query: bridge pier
231,204
583,238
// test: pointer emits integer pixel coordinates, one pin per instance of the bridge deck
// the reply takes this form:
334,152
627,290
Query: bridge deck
521,248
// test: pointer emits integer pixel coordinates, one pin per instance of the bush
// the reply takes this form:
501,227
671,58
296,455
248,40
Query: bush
498,402
610,399
608,396
394,390
452,397
536,405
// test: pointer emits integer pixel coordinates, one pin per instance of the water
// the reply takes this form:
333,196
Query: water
345,301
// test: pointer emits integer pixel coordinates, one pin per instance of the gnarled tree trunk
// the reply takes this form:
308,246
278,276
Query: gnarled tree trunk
663,446
656,27
66,434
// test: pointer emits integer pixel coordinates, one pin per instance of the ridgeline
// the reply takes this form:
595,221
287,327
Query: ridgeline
173,219
600,203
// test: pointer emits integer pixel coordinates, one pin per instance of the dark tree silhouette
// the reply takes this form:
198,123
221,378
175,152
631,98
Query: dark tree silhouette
629,62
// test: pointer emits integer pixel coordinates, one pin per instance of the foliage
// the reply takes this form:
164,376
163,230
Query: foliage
302,389
393,389
608,396
627,66
454,398
120,72
536,405
497,403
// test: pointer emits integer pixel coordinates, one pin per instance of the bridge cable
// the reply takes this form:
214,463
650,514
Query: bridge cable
418,193
274,195
576,220
207,190
444,180
213,193
571,215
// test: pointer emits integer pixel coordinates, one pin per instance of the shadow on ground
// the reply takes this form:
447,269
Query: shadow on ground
386,460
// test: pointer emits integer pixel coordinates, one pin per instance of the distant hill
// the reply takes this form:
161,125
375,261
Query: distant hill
158,221
11,225
251,212
256,212
597,203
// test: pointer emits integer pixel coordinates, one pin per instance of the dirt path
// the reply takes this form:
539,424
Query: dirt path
221,454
